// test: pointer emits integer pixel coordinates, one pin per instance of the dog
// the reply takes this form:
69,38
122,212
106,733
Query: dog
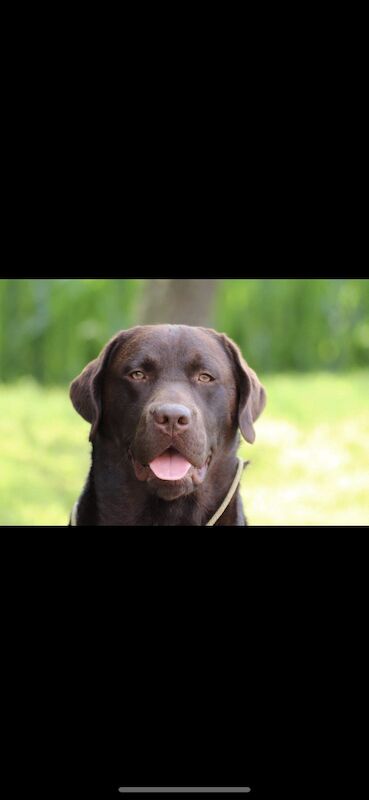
165,404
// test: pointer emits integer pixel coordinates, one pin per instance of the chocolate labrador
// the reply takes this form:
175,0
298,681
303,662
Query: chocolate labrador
165,403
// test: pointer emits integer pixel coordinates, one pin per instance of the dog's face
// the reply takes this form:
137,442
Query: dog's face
171,397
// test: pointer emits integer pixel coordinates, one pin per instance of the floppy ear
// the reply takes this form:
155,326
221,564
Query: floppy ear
85,390
252,398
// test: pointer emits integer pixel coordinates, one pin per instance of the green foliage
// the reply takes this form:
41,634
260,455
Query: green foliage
50,329
297,324
309,462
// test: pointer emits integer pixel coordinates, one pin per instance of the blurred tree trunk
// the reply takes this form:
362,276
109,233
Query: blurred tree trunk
178,301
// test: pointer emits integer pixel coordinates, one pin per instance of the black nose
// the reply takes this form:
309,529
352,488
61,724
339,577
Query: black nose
171,418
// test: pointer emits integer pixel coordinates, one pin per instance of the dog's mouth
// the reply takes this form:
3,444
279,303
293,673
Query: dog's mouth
170,466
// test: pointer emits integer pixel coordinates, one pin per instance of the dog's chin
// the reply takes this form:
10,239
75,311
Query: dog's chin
171,489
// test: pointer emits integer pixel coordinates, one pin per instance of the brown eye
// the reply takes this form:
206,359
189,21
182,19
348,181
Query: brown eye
137,375
204,377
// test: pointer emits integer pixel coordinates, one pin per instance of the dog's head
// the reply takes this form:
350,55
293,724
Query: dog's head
171,398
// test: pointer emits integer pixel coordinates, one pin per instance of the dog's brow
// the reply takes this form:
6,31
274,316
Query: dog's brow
147,362
201,361
137,360
196,360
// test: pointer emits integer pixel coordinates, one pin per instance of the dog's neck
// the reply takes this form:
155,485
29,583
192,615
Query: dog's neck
120,499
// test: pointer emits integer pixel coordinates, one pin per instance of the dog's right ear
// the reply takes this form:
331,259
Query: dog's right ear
252,395
85,390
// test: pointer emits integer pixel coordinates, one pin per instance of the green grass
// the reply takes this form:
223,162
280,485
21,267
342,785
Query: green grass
309,463
310,459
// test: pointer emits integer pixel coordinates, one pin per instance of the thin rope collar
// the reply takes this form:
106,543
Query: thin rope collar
231,491
73,518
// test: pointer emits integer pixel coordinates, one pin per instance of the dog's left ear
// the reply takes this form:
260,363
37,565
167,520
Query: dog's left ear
252,397
85,390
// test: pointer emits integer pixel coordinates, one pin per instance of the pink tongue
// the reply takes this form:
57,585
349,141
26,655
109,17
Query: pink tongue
170,466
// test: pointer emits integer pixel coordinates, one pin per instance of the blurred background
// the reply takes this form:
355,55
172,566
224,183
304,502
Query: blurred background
308,340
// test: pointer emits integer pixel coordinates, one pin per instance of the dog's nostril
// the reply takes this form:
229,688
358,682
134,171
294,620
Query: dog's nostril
161,419
171,415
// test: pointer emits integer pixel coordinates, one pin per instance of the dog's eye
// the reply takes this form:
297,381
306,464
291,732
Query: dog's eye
137,375
204,377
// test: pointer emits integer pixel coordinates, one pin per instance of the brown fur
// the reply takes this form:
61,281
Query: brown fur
130,425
